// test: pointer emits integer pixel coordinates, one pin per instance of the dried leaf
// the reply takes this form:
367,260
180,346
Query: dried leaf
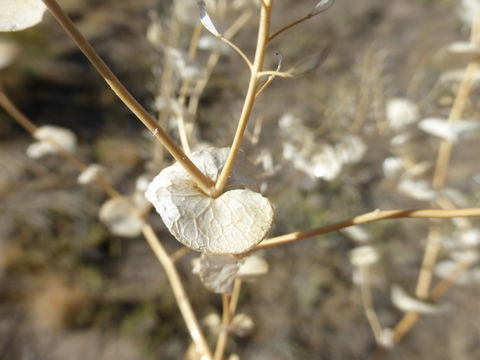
233,223
17,15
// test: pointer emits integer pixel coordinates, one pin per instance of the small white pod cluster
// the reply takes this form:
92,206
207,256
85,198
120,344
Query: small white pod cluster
233,223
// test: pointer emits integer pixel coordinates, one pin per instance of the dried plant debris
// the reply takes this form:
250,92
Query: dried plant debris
51,140
17,15
233,223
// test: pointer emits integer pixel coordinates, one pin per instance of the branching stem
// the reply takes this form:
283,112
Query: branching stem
262,43
179,292
119,89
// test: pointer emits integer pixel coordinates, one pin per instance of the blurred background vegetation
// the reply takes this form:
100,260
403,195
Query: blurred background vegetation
70,290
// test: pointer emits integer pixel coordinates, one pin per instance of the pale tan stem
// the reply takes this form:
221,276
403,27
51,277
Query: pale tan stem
23,121
261,48
373,216
440,177
166,90
432,249
237,286
142,114
180,253
224,330
410,319
368,306
181,297
238,50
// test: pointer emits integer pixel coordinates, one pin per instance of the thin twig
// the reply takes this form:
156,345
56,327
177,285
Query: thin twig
119,89
224,329
367,301
261,48
168,264
179,292
238,50
23,121
370,217
440,174
310,15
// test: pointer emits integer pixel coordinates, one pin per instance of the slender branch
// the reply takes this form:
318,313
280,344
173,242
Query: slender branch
23,121
284,75
410,319
224,329
142,114
167,262
237,286
261,48
179,292
440,173
367,301
238,50
373,216
212,61
323,7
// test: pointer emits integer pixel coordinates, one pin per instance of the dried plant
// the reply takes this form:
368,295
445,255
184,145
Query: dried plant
210,200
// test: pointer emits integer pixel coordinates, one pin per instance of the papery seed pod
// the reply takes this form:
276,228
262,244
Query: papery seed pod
445,268
401,113
17,15
252,267
406,303
449,130
212,322
416,189
92,173
469,49
233,223
52,139
393,167
364,256
121,216
242,325
350,149
217,272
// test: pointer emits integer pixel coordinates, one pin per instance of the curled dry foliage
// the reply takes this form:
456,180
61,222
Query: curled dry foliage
233,223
